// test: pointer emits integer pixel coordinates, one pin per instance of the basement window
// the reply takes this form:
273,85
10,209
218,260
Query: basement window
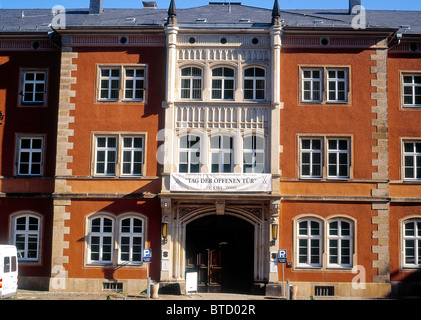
112,286
324,291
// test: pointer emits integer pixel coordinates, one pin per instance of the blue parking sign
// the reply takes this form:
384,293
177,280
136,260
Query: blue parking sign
282,256
147,255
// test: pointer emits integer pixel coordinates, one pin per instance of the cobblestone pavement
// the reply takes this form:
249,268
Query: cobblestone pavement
47,295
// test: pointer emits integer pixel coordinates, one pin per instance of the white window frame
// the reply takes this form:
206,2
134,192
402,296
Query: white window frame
323,83
193,146
224,80
121,89
27,233
255,152
101,235
413,86
336,81
416,238
416,176
312,152
114,234
34,82
31,151
109,87
191,79
338,152
132,236
221,152
325,152
312,81
135,79
119,149
255,80
106,149
133,150
308,238
341,238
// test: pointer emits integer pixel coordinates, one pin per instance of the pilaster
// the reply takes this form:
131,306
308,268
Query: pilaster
381,150
63,159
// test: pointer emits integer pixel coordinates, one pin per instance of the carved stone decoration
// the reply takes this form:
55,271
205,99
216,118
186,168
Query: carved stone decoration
275,206
220,206
166,206
183,211
257,212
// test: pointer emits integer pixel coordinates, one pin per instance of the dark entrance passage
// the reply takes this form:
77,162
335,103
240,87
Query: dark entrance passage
220,249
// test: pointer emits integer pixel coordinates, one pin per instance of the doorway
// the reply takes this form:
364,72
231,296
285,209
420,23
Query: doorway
220,248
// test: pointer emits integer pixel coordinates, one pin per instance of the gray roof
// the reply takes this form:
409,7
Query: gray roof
220,14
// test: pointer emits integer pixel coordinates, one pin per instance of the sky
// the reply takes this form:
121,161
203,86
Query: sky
163,4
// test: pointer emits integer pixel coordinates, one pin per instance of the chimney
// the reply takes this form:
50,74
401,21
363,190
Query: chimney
149,4
96,6
353,3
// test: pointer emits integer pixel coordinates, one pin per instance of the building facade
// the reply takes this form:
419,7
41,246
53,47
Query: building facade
215,136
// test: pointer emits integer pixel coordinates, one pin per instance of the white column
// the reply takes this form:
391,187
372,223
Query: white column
275,122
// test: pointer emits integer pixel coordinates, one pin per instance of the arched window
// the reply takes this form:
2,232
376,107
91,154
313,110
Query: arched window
26,236
101,239
340,236
131,240
191,83
222,154
254,84
412,243
309,243
223,83
189,154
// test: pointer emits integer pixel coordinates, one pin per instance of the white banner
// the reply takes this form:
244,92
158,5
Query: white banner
221,182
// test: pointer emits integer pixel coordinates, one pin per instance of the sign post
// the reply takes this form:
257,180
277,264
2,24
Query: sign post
282,258
147,258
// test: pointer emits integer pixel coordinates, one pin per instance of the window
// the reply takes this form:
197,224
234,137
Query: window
30,155
336,86
121,83
311,158
309,240
339,243
223,83
338,158
222,154
338,236
110,84
106,156
337,155
312,86
189,154
101,240
412,243
34,87
412,90
254,84
253,154
26,236
135,84
119,155
129,231
324,85
132,156
412,160
191,83
131,240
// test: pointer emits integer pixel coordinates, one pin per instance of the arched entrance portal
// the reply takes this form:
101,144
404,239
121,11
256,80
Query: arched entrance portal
220,249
